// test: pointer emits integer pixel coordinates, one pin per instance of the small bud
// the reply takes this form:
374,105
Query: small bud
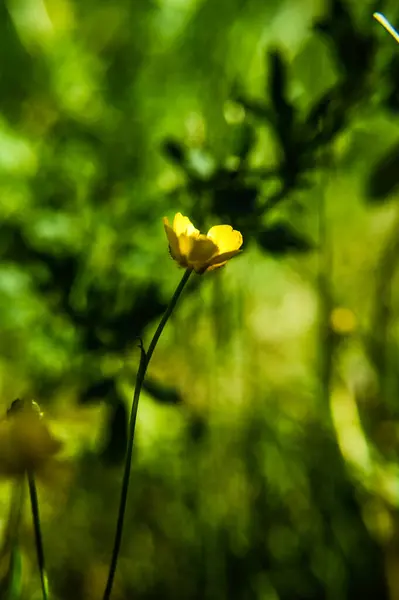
26,442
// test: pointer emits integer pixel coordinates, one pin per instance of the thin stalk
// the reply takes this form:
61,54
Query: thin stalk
38,534
325,286
381,321
325,299
14,517
167,314
144,361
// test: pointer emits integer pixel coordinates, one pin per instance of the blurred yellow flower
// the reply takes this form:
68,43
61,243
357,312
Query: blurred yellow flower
194,250
342,320
26,443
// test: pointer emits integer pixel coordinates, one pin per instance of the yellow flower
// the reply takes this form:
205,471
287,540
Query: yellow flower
26,443
342,320
194,250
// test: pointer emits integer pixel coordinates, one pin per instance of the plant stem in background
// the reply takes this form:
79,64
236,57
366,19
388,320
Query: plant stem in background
326,343
144,361
10,557
38,534
382,313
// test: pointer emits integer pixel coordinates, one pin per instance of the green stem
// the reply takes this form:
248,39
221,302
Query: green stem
38,534
144,361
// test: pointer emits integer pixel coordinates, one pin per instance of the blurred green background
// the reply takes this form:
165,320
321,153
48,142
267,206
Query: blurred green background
266,460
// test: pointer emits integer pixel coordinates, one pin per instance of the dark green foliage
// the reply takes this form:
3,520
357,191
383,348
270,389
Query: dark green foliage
260,503
281,238
303,136
354,50
384,178
232,200
175,152
243,139
162,393
391,98
115,439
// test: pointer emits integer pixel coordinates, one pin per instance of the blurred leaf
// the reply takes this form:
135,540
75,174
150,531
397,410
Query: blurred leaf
175,151
14,591
232,202
392,81
11,567
19,61
162,393
116,434
200,164
353,50
255,107
278,92
326,118
384,177
11,575
100,390
197,427
281,238
243,138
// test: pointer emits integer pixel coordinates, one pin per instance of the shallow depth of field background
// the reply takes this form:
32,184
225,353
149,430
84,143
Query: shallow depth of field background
266,459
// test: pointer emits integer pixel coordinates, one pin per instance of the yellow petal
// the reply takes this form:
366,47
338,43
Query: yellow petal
213,267
172,239
226,238
203,249
221,259
185,246
25,443
182,225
